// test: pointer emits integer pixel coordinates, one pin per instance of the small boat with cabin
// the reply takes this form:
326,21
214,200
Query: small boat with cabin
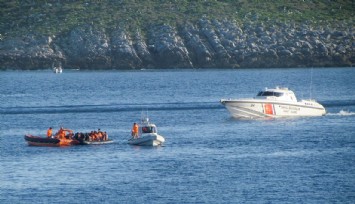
57,68
277,102
147,135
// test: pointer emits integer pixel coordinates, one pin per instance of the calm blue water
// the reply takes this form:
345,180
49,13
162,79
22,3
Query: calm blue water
208,156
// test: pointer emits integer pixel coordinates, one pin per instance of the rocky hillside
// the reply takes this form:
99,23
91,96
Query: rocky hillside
128,34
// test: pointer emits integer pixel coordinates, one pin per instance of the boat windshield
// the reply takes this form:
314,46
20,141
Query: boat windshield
269,93
148,129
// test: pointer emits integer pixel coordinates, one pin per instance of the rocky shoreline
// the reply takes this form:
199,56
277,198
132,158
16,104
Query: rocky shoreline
204,44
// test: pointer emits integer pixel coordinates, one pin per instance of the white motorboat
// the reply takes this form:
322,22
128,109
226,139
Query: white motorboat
277,102
147,135
57,69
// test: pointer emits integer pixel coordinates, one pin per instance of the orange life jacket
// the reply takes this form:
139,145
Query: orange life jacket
61,134
99,135
135,128
49,132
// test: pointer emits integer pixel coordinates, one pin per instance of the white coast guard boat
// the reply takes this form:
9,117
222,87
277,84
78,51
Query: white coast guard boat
277,102
147,135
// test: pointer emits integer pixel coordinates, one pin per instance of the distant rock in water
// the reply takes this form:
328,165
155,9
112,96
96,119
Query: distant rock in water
206,44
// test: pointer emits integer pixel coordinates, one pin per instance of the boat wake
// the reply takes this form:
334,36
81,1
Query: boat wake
124,107
110,108
292,153
343,113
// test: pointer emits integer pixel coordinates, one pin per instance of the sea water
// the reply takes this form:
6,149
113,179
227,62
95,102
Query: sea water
208,156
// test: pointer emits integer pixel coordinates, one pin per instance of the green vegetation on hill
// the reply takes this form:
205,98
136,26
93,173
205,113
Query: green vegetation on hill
51,17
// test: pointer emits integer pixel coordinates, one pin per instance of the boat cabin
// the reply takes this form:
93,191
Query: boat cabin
277,94
146,127
150,128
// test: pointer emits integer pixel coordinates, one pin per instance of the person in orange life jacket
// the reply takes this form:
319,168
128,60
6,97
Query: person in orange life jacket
49,132
135,130
100,135
61,133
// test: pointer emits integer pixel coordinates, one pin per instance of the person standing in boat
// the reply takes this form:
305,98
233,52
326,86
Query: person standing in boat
61,133
49,132
135,130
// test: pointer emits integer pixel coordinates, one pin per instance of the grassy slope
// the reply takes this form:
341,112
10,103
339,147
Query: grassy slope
55,16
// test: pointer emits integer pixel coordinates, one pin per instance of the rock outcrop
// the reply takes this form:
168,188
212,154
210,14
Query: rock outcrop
86,48
29,52
206,44
123,53
168,49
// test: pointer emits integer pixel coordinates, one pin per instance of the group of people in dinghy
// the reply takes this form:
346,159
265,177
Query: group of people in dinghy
92,136
68,134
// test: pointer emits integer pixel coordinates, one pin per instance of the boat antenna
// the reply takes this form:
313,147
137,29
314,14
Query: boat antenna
144,116
310,87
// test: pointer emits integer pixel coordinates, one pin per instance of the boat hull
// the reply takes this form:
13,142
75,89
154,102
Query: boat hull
148,140
274,109
48,142
84,142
